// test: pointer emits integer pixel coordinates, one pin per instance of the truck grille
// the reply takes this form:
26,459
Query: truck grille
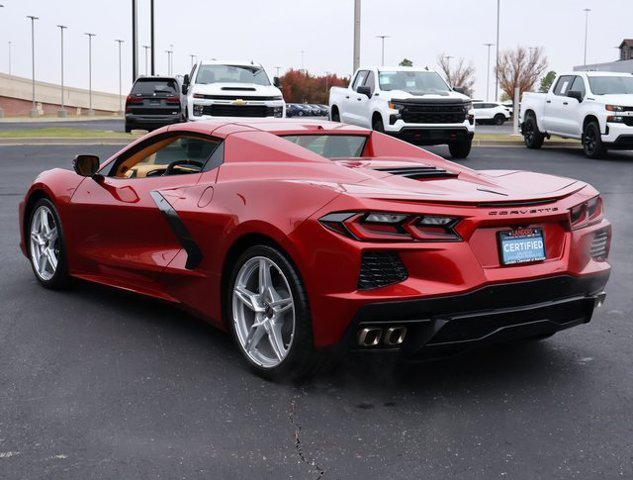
432,112
237,111
379,269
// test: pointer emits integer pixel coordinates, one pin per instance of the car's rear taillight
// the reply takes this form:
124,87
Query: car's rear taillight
173,99
392,227
587,213
134,99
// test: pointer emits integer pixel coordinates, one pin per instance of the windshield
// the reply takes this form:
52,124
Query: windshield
231,74
413,82
331,146
149,87
611,85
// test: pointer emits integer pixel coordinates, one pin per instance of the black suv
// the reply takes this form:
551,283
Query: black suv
154,102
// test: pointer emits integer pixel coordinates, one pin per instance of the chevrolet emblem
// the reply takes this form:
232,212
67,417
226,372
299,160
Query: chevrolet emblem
239,101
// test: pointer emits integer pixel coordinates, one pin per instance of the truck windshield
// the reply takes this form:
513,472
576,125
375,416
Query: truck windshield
331,146
416,83
611,85
232,74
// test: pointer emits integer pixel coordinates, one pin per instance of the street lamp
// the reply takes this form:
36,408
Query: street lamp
146,48
90,35
278,70
586,10
168,52
33,112
119,41
356,35
448,69
382,38
192,57
488,72
497,54
62,111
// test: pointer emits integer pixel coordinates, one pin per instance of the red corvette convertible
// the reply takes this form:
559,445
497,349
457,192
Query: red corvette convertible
306,239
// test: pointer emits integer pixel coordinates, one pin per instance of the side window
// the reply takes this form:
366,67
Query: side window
360,78
171,155
370,82
578,85
563,84
478,106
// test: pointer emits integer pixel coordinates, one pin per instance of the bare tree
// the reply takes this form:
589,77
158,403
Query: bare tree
520,68
460,74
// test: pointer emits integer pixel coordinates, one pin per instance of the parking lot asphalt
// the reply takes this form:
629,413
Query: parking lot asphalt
97,383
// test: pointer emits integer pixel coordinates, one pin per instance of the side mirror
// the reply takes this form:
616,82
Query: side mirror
575,94
364,90
276,82
461,90
185,84
86,165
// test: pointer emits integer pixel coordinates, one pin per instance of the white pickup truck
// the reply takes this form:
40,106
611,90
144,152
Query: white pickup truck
231,89
414,104
594,107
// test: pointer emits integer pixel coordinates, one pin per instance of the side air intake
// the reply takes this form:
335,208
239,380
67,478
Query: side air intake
379,269
419,172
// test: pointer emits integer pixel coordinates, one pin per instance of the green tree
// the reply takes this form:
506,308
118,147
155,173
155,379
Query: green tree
406,63
547,80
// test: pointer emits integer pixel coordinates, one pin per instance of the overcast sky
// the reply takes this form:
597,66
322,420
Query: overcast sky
274,32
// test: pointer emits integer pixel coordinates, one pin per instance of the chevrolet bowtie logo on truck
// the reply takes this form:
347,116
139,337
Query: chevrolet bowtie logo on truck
526,211
239,101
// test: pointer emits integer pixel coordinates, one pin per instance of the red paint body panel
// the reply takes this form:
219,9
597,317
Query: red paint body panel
116,234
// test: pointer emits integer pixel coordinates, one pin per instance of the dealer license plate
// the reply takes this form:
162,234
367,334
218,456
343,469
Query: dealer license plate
523,245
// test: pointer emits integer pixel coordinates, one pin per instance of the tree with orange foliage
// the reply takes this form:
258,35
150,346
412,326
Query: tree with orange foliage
520,68
299,86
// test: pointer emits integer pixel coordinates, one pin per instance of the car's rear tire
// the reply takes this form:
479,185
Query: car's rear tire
592,141
460,149
44,237
269,316
499,119
334,115
127,128
532,136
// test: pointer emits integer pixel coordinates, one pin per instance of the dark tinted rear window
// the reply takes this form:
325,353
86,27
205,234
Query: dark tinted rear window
331,146
149,87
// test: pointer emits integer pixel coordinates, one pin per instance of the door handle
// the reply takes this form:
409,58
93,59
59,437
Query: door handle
565,103
546,101
359,99
347,96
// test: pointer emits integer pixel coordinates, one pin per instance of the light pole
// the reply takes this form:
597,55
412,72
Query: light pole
2,111
586,10
497,54
146,47
302,52
382,38
488,73
151,30
119,41
33,112
62,111
169,52
171,58
448,69
134,40
192,57
356,35
90,110
278,69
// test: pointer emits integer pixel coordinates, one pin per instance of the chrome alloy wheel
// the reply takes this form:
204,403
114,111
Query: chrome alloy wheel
44,246
263,312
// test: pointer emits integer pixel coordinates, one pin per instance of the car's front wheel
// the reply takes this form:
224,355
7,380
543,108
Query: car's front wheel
46,247
499,119
460,149
532,136
592,141
269,315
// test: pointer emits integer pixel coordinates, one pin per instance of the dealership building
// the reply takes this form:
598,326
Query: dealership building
624,64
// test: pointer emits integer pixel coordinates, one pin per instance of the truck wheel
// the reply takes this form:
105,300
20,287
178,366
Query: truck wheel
128,129
592,141
461,148
532,136
377,125
334,116
499,119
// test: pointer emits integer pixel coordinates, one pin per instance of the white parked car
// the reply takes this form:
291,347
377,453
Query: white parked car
414,104
231,89
490,112
594,107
